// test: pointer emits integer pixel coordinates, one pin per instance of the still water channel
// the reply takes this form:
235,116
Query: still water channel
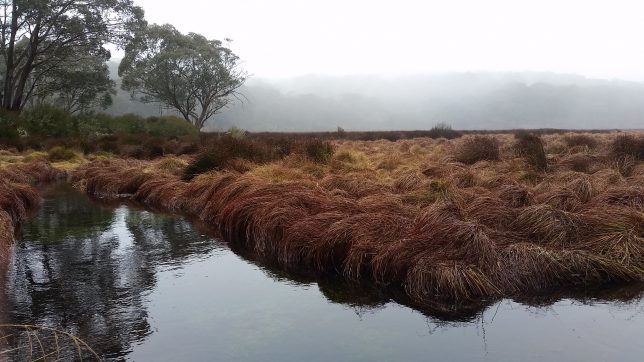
141,286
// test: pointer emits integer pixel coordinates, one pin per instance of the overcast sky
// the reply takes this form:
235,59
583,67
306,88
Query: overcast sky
282,38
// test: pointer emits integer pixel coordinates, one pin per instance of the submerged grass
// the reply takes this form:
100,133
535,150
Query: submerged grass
41,343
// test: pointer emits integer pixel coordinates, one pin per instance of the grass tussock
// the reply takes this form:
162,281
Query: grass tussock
627,145
478,148
60,153
318,151
430,227
581,140
531,148
19,197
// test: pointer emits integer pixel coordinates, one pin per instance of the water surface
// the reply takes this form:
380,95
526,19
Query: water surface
149,287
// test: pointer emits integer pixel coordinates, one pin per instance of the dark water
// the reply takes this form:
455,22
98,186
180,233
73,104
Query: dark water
148,287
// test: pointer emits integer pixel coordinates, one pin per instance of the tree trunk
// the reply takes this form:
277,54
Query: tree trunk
8,78
19,89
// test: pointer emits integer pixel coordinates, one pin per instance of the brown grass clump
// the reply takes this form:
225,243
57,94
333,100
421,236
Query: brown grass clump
478,148
578,163
6,232
435,229
389,163
490,211
112,181
354,186
428,281
171,165
31,173
617,234
549,225
515,195
60,153
530,147
318,151
625,165
582,140
627,145
18,197
629,196
407,182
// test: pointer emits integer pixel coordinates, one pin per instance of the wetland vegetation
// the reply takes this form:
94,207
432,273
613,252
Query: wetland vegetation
158,235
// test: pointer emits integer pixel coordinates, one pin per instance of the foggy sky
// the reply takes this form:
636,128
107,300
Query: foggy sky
285,38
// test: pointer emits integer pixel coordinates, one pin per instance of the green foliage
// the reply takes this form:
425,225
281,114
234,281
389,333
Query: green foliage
52,36
60,153
169,127
126,124
194,75
79,86
49,121
8,125
530,147
131,124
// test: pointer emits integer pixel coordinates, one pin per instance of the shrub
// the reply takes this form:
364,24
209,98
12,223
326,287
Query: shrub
60,153
49,121
282,146
580,140
169,127
224,150
236,132
107,144
155,149
627,145
126,124
318,151
443,130
625,165
186,148
530,147
93,125
8,125
478,148
206,161
341,133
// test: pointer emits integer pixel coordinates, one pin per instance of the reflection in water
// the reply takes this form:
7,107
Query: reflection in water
87,269
144,286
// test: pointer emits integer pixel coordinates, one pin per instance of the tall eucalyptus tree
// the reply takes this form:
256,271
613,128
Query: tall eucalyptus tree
191,74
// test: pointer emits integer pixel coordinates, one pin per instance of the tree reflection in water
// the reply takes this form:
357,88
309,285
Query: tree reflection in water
86,269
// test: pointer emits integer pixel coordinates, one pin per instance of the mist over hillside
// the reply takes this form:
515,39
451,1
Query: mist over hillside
464,100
